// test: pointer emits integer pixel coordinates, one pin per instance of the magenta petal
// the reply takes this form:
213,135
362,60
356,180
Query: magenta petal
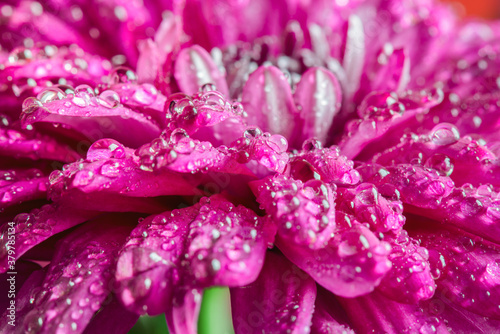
95,117
194,68
352,263
70,295
463,159
112,318
466,269
365,204
375,313
303,212
268,101
280,300
112,179
31,144
182,315
210,243
318,97
384,117
409,280
18,186
23,270
40,224
329,317
326,164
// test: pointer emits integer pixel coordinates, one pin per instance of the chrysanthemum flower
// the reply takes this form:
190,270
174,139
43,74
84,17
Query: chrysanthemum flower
334,163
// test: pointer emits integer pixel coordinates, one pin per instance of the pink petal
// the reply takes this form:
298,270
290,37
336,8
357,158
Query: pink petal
95,117
112,318
194,68
70,296
318,97
280,300
210,243
18,186
37,226
329,317
182,315
268,101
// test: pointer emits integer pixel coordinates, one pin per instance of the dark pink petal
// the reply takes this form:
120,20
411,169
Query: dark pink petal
31,286
169,255
329,317
194,68
206,116
149,62
31,144
318,98
383,119
410,279
79,277
375,313
23,270
366,205
268,150
111,179
280,300
18,186
351,264
112,318
303,212
182,314
326,164
429,194
463,159
95,117
268,101
37,226
466,269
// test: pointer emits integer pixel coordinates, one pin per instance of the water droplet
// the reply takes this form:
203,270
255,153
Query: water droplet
30,105
109,99
122,74
445,134
83,95
50,94
145,94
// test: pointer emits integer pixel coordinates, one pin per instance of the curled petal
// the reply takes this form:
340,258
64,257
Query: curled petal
210,243
268,101
194,68
318,97
182,315
280,300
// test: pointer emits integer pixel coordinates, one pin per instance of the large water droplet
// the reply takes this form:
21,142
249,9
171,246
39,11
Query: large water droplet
122,74
445,134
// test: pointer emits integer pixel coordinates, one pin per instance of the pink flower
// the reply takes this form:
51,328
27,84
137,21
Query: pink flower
335,164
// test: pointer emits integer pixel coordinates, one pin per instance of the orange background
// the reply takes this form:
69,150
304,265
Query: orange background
484,8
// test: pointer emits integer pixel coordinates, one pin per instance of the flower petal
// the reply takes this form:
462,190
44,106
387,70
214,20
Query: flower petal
70,295
95,117
194,68
182,315
280,300
210,243
329,317
318,96
23,270
112,318
466,269
21,185
37,226
268,101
